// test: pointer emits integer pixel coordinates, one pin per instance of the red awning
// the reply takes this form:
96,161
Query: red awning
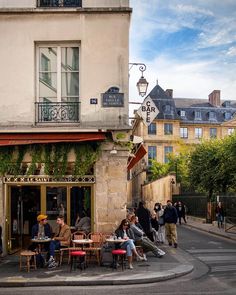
7,139
138,156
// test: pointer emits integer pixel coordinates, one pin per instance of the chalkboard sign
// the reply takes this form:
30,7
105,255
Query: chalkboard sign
112,100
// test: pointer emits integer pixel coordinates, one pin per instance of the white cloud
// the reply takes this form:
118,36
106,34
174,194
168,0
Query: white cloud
231,51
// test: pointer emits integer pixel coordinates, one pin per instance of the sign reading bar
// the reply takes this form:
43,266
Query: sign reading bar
148,111
112,99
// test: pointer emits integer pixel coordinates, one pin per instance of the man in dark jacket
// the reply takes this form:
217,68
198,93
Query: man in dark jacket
144,217
170,218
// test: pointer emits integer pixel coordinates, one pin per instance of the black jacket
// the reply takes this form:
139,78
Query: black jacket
170,214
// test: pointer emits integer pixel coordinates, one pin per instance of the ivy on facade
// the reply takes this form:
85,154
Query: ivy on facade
52,157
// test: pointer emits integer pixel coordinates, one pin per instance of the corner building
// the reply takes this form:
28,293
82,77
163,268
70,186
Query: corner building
64,113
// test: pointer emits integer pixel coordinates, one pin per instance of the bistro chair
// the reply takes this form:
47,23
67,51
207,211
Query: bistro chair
95,248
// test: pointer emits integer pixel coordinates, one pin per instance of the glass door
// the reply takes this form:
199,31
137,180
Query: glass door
80,202
56,204
24,207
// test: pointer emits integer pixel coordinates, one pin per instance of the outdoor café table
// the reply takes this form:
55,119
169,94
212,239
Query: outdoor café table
115,242
40,242
82,242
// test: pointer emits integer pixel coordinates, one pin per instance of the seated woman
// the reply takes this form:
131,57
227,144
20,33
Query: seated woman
124,232
83,223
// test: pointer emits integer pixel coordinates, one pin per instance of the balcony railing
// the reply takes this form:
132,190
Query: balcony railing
57,112
59,3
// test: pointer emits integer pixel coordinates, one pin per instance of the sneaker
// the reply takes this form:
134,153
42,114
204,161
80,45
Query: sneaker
144,257
170,244
175,245
130,266
53,265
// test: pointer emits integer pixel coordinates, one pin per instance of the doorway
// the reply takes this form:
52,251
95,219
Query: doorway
24,208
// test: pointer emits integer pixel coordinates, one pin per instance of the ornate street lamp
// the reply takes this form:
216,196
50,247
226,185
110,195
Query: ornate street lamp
142,84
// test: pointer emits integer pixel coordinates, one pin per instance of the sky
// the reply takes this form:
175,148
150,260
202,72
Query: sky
188,46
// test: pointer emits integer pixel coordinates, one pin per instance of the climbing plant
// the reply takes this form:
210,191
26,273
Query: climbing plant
54,157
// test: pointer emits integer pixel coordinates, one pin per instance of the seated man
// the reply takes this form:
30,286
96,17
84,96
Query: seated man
144,241
62,238
40,230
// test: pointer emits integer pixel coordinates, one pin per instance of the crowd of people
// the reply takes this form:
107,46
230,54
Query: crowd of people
141,227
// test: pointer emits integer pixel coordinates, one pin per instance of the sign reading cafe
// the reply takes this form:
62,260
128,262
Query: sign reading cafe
148,111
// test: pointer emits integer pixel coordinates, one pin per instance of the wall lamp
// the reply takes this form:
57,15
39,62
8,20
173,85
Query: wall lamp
142,83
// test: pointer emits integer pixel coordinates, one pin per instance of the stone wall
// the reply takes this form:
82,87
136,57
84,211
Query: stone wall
159,191
110,189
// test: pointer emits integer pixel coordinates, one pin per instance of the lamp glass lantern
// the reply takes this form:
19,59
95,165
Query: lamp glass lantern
142,86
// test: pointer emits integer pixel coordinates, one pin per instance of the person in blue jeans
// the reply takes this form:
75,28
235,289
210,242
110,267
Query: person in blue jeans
124,232
62,238
220,214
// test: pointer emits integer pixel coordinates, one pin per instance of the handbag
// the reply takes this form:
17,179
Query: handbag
161,221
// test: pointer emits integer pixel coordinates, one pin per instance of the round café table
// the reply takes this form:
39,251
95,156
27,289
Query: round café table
40,242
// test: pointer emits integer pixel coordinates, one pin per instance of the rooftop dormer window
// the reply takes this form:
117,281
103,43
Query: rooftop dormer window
168,110
226,104
212,116
227,116
197,115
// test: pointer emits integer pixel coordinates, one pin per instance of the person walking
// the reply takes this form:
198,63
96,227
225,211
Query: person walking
144,217
180,211
220,214
170,219
161,222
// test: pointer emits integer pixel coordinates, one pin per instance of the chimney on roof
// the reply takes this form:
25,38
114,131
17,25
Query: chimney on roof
169,92
214,98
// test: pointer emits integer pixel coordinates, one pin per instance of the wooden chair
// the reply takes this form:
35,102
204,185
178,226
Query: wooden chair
95,248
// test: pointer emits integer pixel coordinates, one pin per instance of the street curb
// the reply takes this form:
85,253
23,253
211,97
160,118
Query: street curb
138,279
211,232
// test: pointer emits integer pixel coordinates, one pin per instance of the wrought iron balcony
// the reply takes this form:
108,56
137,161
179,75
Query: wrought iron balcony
59,3
57,112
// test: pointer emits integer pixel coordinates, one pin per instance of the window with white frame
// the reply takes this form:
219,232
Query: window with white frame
183,132
182,113
230,131
152,154
198,132
167,151
198,115
152,129
58,73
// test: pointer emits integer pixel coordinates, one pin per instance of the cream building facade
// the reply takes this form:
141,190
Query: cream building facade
64,85
179,119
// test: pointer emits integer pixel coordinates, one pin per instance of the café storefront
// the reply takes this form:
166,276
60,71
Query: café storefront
28,196
42,179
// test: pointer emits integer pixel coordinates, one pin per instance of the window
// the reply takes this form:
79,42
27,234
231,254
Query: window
227,116
184,132
168,128
230,131
198,115
152,129
58,74
198,132
212,116
167,150
182,113
213,132
152,154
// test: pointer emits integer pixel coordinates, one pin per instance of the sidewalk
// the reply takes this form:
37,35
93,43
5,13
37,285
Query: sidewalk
173,264
212,228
